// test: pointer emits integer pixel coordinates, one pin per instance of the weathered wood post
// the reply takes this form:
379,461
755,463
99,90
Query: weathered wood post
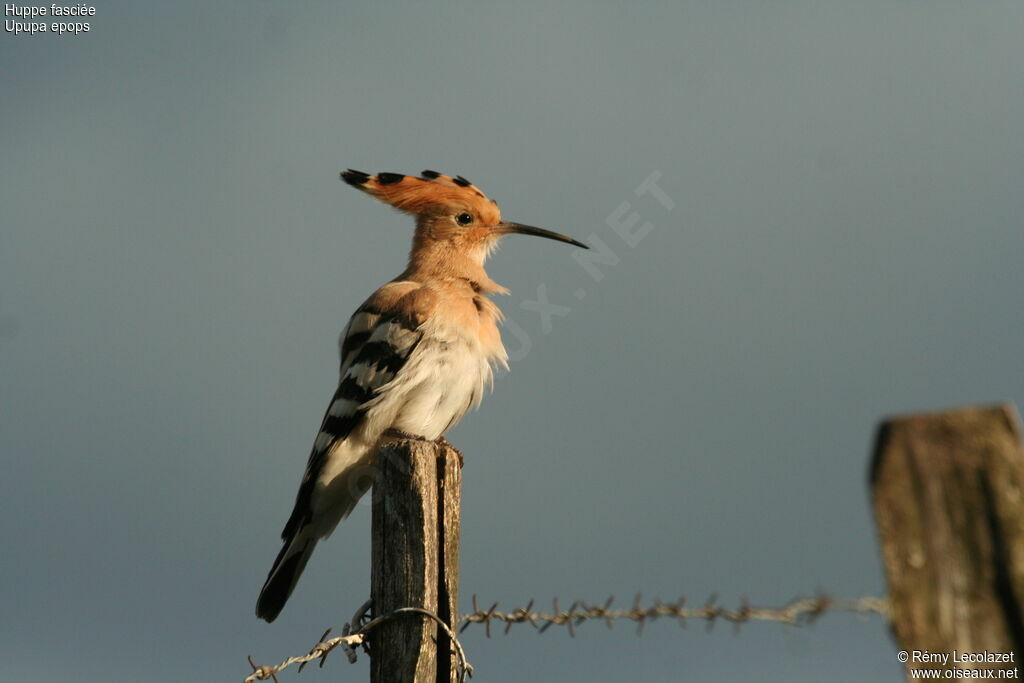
948,492
416,526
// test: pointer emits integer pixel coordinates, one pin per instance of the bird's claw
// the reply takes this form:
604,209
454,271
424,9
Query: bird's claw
399,435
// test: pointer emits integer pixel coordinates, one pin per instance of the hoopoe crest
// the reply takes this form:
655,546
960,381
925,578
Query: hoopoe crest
415,356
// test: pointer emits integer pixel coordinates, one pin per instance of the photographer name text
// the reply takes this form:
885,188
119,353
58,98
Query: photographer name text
957,657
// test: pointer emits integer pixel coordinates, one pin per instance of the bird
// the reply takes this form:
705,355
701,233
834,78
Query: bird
415,356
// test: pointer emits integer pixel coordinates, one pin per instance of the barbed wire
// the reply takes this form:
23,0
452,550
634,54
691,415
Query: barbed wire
349,640
797,612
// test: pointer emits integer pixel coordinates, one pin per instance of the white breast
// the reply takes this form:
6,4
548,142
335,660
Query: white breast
444,377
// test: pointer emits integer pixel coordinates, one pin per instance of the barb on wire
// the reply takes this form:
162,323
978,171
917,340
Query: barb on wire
349,640
799,611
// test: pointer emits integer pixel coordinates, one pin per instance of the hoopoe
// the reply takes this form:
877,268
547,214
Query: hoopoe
415,357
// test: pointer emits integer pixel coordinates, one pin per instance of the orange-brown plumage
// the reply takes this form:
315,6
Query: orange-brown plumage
457,225
426,196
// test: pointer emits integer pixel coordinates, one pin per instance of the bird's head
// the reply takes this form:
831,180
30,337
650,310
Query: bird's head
450,212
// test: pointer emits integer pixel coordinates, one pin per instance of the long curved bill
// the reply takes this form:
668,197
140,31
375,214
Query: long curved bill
504,228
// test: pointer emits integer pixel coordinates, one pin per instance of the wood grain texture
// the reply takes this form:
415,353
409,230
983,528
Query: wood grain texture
947,494
415,559
450,496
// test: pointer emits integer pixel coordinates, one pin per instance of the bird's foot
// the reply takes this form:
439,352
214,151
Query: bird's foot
399,435
393,434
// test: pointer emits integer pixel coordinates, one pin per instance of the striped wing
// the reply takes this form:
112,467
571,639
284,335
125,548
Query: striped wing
374,348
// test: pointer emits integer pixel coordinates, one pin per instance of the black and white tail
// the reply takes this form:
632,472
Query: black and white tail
285,573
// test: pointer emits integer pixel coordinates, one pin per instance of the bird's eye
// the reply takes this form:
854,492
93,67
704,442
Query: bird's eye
463,219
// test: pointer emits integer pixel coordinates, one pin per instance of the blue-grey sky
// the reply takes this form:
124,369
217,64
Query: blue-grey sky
177,257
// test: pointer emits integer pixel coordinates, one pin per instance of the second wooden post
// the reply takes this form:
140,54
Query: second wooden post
948,493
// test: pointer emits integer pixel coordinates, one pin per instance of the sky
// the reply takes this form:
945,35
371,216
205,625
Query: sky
836,237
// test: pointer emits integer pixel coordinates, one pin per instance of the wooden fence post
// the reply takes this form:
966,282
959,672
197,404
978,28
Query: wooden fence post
948,494
415,550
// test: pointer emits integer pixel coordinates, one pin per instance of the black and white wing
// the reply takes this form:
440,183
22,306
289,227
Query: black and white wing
374,347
